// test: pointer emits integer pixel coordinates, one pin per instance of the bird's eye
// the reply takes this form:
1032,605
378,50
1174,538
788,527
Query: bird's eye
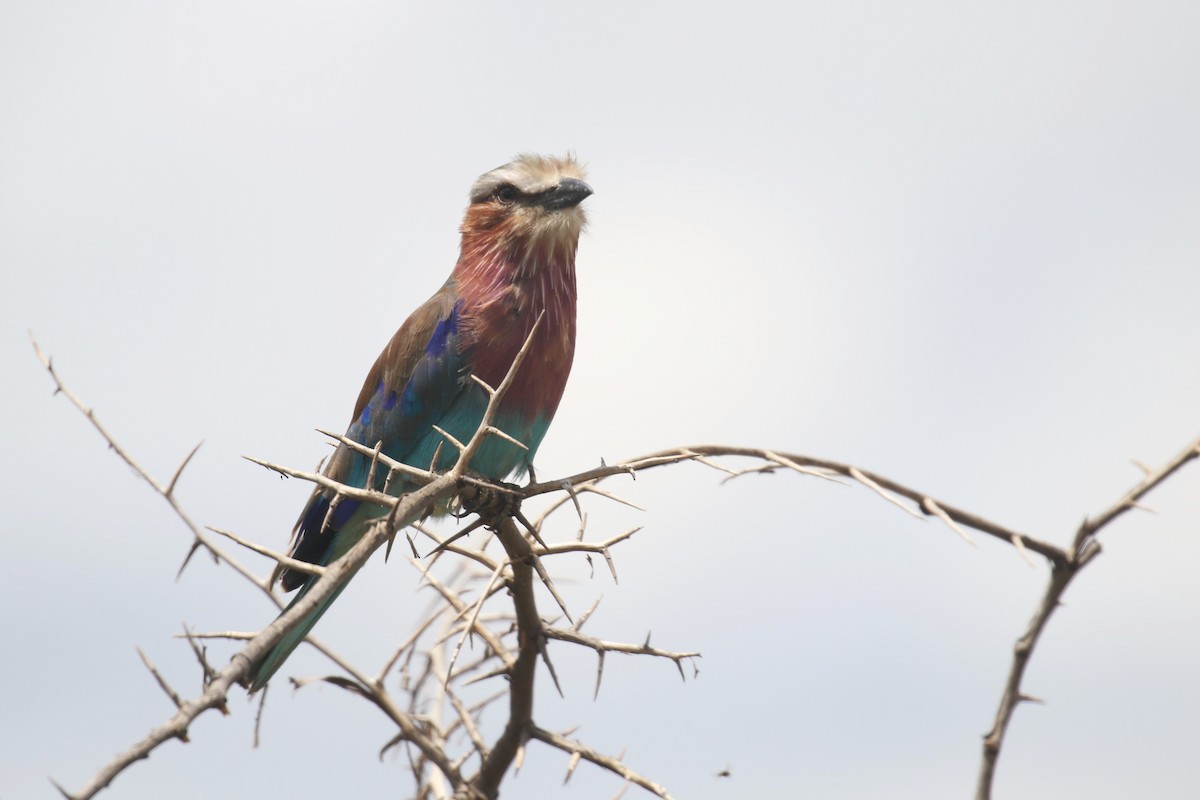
506,194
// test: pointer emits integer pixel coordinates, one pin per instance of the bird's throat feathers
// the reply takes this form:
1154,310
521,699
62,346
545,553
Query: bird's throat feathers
523,225
514,265
538,263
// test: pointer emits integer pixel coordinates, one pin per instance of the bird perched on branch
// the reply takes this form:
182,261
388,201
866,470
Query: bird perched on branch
516,261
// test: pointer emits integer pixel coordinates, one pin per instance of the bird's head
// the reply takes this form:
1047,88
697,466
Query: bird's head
529,208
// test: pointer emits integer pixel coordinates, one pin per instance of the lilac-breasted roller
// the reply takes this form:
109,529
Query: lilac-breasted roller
516,261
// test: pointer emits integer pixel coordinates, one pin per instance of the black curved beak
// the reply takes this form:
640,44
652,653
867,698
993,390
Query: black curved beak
569,192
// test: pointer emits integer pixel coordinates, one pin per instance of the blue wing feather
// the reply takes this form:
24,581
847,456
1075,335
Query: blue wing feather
411,392
412,388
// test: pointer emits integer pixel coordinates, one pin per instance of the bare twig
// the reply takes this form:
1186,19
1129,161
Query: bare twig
167,492
1085,548
706,453
601,647
287,561
613,765
162,684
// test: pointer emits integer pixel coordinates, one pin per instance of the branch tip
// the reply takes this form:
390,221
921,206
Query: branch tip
53,782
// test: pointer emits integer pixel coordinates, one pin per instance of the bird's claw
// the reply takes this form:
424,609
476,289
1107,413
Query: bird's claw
489,500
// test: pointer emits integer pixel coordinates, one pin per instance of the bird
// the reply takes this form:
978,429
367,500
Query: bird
516,263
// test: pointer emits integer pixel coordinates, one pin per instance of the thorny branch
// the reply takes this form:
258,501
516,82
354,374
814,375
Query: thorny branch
609,763
334,575
1084,548
770,461
167,492
521,674
426,737
428,670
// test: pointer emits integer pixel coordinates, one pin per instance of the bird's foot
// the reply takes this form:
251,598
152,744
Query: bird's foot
490,500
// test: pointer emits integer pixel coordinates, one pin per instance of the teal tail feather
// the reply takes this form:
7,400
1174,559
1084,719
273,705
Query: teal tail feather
268,664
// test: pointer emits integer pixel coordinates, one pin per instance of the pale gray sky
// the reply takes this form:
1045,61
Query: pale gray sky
952,243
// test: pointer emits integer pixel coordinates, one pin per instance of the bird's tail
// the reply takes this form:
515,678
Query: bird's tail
270,662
